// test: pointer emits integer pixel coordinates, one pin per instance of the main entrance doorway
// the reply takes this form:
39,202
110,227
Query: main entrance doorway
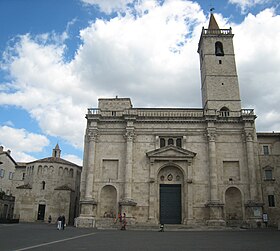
41,212
170,204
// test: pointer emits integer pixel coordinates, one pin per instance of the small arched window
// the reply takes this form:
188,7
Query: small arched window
219,50
60,172
43,185
71,173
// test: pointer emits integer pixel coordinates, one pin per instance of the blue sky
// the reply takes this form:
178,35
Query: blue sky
59,57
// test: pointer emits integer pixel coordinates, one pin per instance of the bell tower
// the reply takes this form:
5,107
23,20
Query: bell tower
219,81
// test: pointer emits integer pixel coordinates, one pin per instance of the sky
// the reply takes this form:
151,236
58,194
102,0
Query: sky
57,57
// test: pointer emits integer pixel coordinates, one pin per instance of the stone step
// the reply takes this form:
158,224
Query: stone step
111,224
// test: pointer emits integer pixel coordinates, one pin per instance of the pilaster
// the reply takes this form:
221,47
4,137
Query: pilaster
214,204
251,164
127,200
87,202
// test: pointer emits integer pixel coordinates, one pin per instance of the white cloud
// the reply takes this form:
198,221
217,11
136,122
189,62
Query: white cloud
124,56
108,6
73,158
247,4
22,142
150,57
45,86
9,123
127,56
258,58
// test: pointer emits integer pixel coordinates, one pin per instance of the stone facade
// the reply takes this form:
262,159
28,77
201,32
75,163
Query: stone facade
48,186
269,157
7,169
177,166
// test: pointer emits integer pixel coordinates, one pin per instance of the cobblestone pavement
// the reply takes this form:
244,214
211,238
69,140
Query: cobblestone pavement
38,236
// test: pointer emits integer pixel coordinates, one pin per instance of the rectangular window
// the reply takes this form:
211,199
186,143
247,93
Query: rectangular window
268,174
265,150
271,201
11,174
23,176
2,173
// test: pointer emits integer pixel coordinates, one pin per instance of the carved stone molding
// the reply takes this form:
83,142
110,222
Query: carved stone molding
249,136
214,203
88,201
129,135
211,136
127,202
92,135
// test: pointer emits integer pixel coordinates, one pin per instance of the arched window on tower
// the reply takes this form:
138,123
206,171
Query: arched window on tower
43,185
219,50
224,112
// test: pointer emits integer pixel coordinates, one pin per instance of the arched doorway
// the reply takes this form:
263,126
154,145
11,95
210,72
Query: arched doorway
108,201
233,205
170,180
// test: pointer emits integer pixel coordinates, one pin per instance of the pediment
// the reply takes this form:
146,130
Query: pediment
171,152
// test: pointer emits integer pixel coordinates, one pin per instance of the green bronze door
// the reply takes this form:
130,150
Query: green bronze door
170,204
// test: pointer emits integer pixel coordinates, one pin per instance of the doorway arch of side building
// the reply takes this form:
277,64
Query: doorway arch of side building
170,194
108,202
234,206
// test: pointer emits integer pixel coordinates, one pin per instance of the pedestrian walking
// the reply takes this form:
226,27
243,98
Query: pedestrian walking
50,219
123,222
59,219
63,222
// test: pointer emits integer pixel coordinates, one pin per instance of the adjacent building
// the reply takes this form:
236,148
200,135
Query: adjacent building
269,157
7,170
47,187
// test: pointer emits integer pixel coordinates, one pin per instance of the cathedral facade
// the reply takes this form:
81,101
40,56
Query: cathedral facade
176,165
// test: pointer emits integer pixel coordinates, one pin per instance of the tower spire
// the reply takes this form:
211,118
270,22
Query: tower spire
213,25
219,81
56,151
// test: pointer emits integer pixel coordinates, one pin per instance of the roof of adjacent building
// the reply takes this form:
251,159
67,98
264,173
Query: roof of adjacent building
268,134
55,160
9,156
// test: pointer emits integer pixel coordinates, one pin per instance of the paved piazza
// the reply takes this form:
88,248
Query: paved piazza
45,237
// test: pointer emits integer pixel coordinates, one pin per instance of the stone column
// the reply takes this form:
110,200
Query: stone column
92,139
152,197
87,202
189,187
253,206
128,165
214,204
127,201
251,166
212,166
